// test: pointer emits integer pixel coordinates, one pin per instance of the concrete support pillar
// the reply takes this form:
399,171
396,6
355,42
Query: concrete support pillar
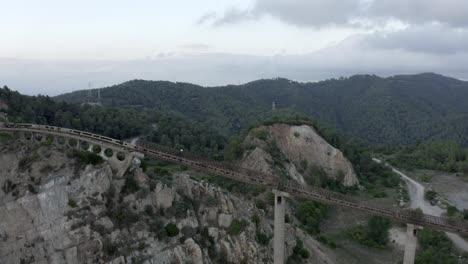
410,245
278,239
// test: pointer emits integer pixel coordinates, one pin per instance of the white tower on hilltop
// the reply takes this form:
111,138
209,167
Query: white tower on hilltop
273,106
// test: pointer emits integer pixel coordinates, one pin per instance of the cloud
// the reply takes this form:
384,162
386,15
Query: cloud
428,38
322,13
298,12
309,12
451,12
234,15
206,17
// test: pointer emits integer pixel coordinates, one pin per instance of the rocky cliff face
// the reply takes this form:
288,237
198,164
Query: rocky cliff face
298,152
55,209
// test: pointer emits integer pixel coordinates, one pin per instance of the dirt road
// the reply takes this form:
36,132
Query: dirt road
416,193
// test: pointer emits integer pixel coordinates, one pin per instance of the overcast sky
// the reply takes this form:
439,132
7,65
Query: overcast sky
55,46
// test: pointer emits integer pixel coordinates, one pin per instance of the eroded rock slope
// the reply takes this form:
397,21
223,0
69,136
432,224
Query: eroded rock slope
297,152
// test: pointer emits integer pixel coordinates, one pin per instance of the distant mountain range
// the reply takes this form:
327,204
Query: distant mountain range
401,109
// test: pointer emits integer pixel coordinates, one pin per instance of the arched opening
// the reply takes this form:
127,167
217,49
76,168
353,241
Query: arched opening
72,142
121,156
97,149
84,145
38,137
61,140
109,153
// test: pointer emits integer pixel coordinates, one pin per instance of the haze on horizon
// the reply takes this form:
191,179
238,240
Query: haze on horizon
52,47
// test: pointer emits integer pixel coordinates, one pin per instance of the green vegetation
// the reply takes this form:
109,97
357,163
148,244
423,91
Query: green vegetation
436,155
262,238
72,203
5,137
130,186
395,110
173,130
171,230
435,248
88,157
310,214
122,216
327,241
299,253
237,226
430,195
465,214
375,234
451,210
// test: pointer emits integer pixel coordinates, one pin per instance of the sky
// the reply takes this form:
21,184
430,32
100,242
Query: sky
55,46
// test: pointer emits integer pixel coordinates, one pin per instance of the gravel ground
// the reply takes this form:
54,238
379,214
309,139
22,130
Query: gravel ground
416,191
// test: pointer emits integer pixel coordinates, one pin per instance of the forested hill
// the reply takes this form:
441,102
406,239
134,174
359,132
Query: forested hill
396,110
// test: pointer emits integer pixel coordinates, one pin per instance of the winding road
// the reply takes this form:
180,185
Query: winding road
416,192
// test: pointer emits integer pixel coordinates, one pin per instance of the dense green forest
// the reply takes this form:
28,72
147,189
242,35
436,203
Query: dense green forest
436,155
177,131
168,129
395,110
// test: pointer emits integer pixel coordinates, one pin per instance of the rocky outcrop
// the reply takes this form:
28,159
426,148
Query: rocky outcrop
298,152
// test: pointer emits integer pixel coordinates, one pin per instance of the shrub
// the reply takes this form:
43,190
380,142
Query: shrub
430,195
327,241
310,214
435,248
299,253
88,157
161,171
171,230
123,217
4,137
261,133
260,204
72,203
236,227
130,186
375,234
451,210
262,238
465,214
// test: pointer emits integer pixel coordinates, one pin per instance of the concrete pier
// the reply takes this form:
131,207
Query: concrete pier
278,240
411,242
